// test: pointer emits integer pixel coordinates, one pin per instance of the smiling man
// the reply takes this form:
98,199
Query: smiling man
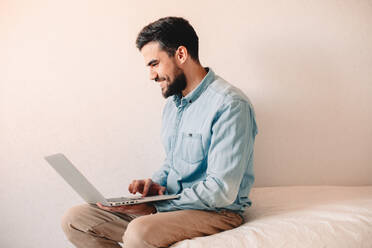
208,134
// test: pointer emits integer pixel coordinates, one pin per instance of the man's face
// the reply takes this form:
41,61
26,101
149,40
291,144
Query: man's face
164,69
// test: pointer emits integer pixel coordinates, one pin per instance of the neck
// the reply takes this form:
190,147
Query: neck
194,75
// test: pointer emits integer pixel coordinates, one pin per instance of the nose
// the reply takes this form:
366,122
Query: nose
153,75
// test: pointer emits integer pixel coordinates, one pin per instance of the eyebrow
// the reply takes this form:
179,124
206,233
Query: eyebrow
152,62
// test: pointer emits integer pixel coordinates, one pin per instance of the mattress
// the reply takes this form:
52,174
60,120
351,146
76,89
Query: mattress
299,216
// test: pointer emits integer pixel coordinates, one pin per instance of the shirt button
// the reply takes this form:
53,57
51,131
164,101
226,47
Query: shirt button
190,134
190,101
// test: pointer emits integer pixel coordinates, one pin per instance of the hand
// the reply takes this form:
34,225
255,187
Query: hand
146,187
139,209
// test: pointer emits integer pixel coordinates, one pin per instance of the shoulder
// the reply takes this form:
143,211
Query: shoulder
233,104
227,94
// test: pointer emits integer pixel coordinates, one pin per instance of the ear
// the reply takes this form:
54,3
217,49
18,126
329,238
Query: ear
181,55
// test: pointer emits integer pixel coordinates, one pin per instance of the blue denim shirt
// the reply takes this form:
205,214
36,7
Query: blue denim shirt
208,137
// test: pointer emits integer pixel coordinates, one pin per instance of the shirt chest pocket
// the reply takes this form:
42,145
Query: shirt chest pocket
191,148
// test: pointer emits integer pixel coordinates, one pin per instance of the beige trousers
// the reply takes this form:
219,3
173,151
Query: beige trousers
87,226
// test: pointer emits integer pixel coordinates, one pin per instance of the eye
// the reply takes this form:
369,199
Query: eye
153,63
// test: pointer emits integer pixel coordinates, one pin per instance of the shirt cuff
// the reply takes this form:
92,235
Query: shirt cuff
159,180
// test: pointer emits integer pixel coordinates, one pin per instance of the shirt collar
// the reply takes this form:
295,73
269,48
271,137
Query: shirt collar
195,93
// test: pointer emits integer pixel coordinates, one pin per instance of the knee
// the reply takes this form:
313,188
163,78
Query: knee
139,232
72,219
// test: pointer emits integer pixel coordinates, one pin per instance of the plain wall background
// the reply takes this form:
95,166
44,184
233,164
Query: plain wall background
72,81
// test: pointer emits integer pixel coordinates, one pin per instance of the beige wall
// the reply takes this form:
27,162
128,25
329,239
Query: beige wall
72,81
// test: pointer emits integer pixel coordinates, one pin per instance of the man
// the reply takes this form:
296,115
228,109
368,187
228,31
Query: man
208,133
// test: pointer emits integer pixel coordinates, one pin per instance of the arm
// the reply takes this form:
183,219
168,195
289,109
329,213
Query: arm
160,176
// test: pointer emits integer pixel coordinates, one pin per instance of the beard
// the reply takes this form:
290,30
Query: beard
176,86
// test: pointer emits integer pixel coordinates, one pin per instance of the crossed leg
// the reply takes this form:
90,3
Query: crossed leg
90,227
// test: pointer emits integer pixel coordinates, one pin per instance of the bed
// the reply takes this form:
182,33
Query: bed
300,216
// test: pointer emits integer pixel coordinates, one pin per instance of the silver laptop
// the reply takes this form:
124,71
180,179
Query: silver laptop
88,192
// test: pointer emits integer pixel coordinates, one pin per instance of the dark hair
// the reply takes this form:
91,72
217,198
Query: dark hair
170,33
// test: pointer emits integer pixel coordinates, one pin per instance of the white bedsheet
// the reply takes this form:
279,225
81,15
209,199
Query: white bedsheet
300,216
